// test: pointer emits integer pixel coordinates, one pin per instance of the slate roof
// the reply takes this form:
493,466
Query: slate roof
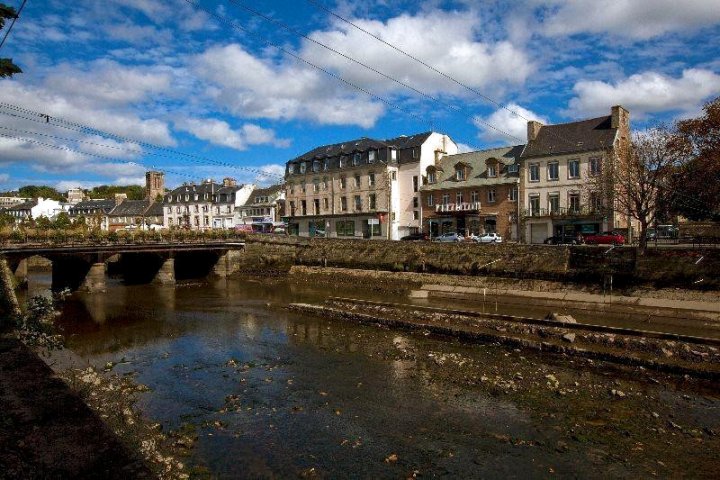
105,205
271,192
23,206
130,208
411,141
574,137
362,145
155,210
478,174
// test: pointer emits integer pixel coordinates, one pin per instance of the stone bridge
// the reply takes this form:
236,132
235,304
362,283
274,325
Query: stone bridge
85,266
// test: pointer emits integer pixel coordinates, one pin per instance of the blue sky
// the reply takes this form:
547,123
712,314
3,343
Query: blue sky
225,92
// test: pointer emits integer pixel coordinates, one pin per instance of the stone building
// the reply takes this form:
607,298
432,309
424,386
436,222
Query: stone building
154,185
558,166
363,187
473,193
204,206
93,211
135,214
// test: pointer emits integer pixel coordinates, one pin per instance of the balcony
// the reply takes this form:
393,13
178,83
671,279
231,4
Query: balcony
457,207
563,212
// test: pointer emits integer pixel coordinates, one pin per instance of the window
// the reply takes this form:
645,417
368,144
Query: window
292,208
371,201
474,196
430,200
343,182
554,203
303,166
513,195
358,203
371,156
553,171
316,185
574,168
291,187
459,197
371,179
393,175
459,174
491,195
326,164
415,183
357,181
574,202
595,166
431,176
416,202
534,172
393,155
491,171
415,152
416,215
512,168
356,160
534,202
343,162
316,166
316,206
343,204
303,186
295,168
345,228
596,202
446,199
324,183
303,207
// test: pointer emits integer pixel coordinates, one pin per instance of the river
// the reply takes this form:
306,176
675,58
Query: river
274,394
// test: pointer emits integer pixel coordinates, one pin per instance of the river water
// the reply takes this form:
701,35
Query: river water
275,394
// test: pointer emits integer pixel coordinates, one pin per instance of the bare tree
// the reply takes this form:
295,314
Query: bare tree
633,179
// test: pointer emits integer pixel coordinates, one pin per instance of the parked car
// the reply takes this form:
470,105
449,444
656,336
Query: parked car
489,238
415,237
610,238
449,237
563,240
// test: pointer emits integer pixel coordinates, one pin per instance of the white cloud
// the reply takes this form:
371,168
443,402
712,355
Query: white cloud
272,174
444,40
646,92
249,86
4,177
219,132
641,19
510,123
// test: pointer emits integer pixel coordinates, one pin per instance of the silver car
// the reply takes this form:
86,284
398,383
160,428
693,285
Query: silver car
449,237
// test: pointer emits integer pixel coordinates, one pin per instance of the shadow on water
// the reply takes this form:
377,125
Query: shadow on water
275,394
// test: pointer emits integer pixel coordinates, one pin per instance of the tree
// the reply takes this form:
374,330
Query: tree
7,67
35,191
696,183
635,181
62,221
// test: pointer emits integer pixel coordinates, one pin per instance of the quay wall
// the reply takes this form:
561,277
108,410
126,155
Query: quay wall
673,267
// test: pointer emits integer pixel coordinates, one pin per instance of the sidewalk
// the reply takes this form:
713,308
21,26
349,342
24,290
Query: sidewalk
47,431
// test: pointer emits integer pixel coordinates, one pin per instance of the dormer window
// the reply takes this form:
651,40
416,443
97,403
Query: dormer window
326,164
371,156
512,168
343,162
303,167
431,177
356,159
393,155
491,171
316,166
460,174
415,153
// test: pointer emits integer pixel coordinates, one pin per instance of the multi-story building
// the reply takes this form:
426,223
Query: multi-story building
473,193
135,214
363,187
7,202
263,208
559,168
204,206
75,196
93,211
36,208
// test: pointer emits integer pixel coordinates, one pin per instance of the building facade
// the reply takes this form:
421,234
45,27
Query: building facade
135,215
7,202
34,209
361,188
93,211
473,193
264,208
204,206
558,170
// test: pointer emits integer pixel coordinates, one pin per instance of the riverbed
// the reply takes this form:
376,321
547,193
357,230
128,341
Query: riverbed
274,394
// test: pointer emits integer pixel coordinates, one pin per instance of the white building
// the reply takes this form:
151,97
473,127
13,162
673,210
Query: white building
40,207
204,206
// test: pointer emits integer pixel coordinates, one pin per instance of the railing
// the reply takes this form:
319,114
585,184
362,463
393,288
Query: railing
70,238
457,207
563,212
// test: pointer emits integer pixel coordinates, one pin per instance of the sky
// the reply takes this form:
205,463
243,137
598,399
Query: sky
217,88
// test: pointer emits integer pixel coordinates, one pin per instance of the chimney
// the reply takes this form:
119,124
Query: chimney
619,117
229,182
533,128
120,197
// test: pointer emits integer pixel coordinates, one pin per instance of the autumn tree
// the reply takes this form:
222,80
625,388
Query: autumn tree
7,67
695,192
634,180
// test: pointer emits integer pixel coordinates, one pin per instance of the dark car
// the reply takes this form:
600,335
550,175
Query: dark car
415,237
562,240
609,238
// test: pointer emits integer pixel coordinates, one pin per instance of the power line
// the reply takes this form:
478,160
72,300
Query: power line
366,66
43,118
13,23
